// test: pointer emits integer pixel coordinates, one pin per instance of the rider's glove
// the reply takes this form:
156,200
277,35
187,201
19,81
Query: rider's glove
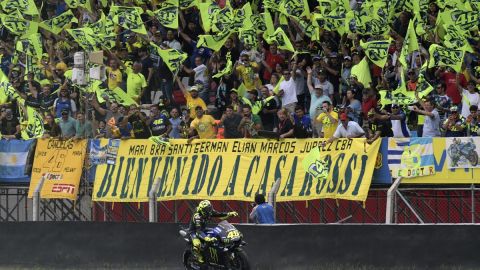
232,214
210,239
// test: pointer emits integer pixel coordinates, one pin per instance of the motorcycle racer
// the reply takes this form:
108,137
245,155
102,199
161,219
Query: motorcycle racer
198,225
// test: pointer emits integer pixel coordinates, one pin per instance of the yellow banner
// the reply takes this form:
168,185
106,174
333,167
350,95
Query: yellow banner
62,164
444,175
232,170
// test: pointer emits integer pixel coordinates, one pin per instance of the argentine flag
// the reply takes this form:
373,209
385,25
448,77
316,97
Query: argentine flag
13,160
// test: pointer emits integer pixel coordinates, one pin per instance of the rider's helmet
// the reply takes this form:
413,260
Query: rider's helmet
205,208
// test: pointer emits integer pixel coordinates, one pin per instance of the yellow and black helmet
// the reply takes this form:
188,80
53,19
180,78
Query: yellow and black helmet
205,208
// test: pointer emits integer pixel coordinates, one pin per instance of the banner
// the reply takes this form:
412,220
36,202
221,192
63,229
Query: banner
410,157
381,174
13,160
79,3
443,174
214,42
62,164
333,171
463,152
19,26
233,170
23,6
85,38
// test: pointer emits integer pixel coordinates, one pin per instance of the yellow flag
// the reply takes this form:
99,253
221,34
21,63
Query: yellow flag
248,37
57,24
79,3
377,51
464,20
214,42
7,91
19,26
105,31
85,38
276,89
441,56
269,28
117,95
281,39
410,44
167,14
128,18
228,67
208,12
241,90
362,71
171,57
31,122
453,38
184,4
23,6
30,45
292,8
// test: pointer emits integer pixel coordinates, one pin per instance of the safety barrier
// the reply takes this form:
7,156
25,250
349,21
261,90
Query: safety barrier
84,245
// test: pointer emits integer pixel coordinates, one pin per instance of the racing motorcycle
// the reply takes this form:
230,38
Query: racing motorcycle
459,150
224,253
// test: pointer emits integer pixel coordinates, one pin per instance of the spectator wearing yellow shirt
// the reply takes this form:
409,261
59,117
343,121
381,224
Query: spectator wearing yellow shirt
192,98
204,124
248,71
136,83
114,75
329,119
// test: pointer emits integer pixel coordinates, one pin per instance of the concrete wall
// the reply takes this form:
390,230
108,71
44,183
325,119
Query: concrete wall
140,245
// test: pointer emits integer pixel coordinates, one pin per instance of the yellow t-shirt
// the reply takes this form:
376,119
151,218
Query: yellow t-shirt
135,83
248,75
192,103
204,127
328,127
114,78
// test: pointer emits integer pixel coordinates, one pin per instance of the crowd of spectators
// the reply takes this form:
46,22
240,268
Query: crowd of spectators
318,97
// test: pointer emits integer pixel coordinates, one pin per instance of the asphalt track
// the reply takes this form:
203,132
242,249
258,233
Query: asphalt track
85,245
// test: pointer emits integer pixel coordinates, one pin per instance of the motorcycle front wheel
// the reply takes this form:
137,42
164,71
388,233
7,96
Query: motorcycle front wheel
240,262
189,261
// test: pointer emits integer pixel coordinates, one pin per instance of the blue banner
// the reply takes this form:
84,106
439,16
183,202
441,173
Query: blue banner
13,160
381,174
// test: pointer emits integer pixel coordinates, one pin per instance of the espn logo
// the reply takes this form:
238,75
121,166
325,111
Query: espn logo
53,176
63,188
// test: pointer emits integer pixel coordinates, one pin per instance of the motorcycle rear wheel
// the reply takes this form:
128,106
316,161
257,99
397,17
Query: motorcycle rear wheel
240,262
189,261
473,158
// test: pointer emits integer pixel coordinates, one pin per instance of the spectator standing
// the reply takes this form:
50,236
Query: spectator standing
137,120
284,128
64,102
377,126
83,128
230,121
455,124
442,101
193,100
124,129
450,78
10,126
263,212
247,70
317,99
473,122
288,90
67,125
158,122
303,123
250,124
354,106
431,125
272,59
469,97
52,129
328,119
114,75
203,124
111,115
175,122
268,114
346,129
200,76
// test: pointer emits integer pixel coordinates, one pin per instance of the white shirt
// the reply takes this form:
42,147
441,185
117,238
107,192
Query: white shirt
469,100
353,131
431,125
300,82
290,94
200,73
326,86
174,44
